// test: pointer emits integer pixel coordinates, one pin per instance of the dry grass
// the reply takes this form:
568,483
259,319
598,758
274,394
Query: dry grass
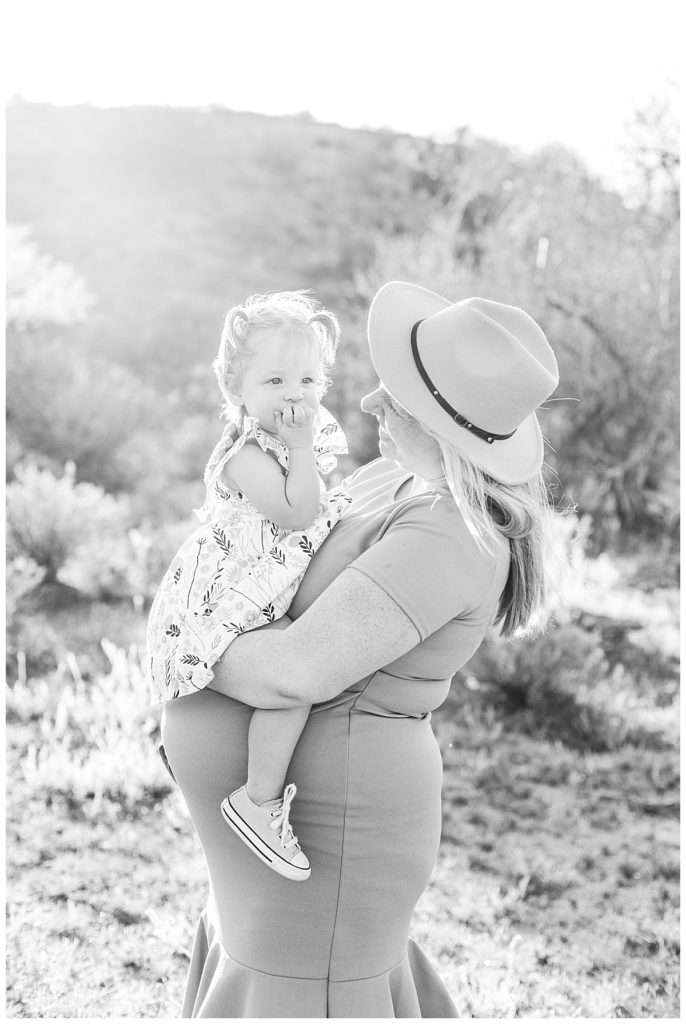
555,894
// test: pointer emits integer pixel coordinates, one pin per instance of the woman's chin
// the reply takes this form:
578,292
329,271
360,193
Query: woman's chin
387,449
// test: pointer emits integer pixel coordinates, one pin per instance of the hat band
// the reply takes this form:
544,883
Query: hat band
462,421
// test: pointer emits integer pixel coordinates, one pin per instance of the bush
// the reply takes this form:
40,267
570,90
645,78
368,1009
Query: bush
544,686
160,545
50,519
102,567
23,576
92,742
565,659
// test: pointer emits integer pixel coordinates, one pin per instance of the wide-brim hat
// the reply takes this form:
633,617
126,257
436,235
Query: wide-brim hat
472,372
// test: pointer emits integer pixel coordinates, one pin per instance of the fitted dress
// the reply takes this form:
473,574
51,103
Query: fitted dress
368,771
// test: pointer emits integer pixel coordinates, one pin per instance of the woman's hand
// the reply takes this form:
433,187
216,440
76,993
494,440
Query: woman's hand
353,629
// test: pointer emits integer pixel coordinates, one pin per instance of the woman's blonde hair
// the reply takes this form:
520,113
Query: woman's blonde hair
297,310
520,512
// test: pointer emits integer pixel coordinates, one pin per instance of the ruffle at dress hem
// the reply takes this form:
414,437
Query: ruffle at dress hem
220,987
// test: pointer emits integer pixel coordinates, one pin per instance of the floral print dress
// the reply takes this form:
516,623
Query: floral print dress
237,571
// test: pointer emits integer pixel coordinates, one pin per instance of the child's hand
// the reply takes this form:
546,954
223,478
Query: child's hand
295,425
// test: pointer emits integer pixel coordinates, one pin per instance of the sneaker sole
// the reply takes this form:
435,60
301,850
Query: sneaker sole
259,847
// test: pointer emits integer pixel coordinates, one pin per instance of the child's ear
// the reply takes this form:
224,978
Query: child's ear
233,390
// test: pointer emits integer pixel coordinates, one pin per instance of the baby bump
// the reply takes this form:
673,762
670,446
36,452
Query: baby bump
391,816
367,814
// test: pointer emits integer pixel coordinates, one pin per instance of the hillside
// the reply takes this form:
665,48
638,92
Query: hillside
171,215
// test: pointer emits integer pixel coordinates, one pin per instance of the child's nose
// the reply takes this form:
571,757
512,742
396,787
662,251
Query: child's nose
293,392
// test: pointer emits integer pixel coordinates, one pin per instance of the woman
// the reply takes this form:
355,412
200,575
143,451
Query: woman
443,538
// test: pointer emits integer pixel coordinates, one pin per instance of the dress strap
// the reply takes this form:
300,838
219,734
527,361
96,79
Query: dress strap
329,441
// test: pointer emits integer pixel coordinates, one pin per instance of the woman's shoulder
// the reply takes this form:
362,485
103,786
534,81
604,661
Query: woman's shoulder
432,521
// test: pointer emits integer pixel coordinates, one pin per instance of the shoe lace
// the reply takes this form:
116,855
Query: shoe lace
280,818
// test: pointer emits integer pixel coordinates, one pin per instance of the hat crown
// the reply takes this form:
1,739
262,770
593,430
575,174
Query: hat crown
490,361
466,370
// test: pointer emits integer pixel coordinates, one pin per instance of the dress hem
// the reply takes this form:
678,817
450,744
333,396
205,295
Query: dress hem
219,986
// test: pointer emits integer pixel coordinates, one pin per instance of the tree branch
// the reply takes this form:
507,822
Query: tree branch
555,302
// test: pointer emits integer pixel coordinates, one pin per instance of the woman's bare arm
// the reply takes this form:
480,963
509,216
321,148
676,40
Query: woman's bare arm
350,631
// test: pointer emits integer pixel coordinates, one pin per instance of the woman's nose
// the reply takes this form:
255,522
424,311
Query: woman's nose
373,402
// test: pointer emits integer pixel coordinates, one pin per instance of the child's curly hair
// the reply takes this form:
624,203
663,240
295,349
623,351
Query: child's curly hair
297,310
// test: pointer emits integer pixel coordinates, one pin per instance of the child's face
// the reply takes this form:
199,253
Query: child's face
282,369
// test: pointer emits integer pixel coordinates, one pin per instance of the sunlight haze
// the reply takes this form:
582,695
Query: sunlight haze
526,74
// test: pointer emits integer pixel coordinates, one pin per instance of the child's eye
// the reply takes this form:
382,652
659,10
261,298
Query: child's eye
275,380
308,380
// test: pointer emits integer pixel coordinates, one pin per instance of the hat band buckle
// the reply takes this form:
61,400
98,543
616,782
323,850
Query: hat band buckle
485,435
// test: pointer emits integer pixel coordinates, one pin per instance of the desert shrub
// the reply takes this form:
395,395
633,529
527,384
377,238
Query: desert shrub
33,646
23,576
44,640
102,567
605,672
565,687
88,738
41,289
525,669
599,274
541,685
50,518
161,544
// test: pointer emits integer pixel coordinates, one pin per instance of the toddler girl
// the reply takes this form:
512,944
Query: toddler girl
265,514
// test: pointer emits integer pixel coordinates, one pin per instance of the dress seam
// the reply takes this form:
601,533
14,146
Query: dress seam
302,977
367,977
345,815
270,974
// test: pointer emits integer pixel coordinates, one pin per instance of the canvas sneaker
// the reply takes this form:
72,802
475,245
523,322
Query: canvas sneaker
266,830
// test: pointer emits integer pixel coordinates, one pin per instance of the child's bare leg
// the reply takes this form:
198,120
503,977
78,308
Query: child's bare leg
272,738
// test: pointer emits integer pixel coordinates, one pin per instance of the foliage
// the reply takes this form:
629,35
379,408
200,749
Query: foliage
605,671
126,392
50,519
23,575
41,289
652,151
602,279
92,732
564,687
536,837
162,544
64,402
284,203
561,775
67,640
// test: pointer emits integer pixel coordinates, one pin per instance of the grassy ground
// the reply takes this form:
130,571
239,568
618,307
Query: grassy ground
556,889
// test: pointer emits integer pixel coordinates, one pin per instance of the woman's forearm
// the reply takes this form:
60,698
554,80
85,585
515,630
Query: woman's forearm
252,668
350,631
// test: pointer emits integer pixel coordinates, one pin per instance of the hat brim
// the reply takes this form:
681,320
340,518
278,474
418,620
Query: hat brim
394,311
